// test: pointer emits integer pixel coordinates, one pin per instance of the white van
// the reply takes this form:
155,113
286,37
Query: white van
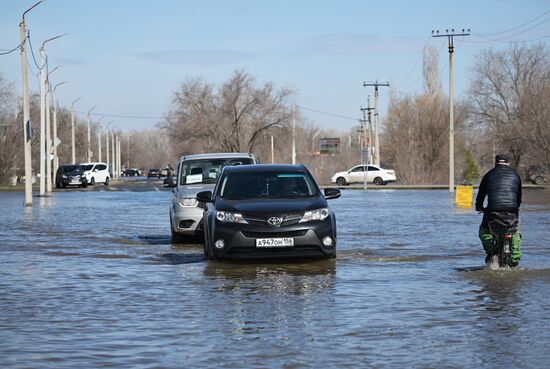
96,172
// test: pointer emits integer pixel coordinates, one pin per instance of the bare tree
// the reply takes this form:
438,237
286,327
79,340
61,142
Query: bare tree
430,68
11,133
510,99
233,118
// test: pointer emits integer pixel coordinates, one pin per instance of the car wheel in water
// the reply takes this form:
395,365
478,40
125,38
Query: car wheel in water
176,237
106,181
378,181
341,181
539,180
92,181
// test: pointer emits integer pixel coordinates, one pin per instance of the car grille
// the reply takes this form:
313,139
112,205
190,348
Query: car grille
288,219
299,233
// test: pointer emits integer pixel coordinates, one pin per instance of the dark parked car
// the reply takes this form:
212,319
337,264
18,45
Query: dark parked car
70,175
153,173
268,211
131,172
538,174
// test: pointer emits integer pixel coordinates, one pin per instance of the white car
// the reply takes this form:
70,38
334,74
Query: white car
96,172
375,174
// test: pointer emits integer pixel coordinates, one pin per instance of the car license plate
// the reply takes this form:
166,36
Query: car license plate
75,181
274,242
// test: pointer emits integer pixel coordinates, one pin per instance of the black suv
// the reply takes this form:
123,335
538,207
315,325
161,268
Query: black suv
70,175
268,211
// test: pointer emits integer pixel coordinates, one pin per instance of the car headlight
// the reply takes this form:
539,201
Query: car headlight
187,202
64,176
227,217
319,214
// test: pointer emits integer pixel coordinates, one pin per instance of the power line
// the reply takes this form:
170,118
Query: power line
32,51
159,117
15,48
514,28
325,113
120,115
504,39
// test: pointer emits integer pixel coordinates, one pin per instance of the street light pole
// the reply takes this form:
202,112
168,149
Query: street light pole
55,138
27,128
88,148
72,130
99,138
107,144
48,132
43,92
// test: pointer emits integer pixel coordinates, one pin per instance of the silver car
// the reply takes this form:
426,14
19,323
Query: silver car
196,173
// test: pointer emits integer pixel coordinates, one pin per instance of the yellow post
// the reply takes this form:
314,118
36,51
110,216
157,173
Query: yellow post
464,196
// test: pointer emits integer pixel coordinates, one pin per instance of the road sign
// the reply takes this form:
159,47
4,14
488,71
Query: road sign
56,141
329,145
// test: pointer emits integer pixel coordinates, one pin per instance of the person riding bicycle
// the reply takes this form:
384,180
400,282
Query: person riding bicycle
502,187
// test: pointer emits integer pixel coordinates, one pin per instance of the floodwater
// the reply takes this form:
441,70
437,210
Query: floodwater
89,278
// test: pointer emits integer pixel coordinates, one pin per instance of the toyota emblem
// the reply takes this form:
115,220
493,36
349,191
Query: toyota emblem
274,221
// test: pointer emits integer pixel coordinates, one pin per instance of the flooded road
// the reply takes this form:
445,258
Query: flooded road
91,279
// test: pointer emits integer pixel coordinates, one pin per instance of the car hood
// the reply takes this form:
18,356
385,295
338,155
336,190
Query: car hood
271,206
190,191
73,173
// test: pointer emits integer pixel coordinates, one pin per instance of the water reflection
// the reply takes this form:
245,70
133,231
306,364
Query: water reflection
505,308
275,303
299,278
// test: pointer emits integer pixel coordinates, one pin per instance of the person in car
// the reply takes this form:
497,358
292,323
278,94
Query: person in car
502,187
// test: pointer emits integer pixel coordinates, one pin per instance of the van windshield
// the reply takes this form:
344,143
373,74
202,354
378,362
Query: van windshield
207,170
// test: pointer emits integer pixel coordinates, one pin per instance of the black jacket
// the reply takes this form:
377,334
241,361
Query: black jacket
502,186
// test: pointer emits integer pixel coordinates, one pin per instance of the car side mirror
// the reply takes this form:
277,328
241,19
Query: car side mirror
205,196
332,193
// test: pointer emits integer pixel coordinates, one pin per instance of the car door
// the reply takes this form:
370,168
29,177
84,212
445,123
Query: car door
101,174
372,173
356,174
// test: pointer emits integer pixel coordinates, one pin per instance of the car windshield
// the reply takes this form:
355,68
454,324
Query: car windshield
207,170
267,185
88,167
72,168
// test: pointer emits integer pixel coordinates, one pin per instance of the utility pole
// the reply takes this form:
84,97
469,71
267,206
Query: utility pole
128,161
376,129
107,140
113,168
43,92
99,139
27,127
55,138
450,36
362,146
72,130
294,136
272,151
368,122
89,149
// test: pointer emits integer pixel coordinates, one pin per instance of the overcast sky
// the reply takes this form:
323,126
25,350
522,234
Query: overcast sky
128,57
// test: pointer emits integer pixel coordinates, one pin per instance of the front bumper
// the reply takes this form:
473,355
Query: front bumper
187,220
240,240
